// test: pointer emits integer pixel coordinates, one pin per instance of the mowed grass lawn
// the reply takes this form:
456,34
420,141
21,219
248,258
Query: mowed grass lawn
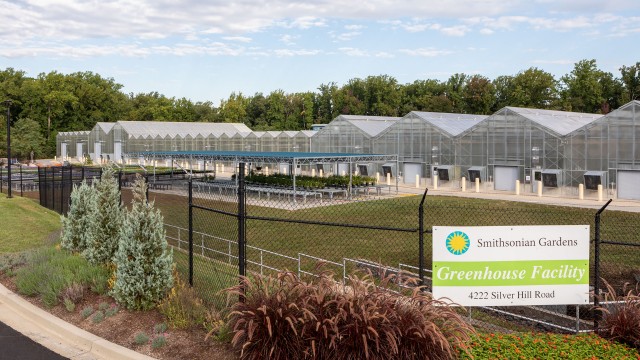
25,224
392,247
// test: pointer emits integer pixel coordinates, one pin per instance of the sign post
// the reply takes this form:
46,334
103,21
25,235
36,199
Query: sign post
511,265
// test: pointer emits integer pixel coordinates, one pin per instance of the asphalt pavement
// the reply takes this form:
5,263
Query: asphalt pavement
15,346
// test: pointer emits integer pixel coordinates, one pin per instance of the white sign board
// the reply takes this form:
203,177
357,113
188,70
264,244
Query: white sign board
511,265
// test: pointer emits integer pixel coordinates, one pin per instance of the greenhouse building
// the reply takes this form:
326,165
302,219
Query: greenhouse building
606,152
425,144
519,145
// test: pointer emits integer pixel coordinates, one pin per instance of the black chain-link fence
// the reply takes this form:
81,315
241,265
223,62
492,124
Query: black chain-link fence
220,228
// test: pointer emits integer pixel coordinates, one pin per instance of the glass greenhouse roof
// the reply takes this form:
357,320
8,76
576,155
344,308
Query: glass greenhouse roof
561,122
161,128
453,124
371,125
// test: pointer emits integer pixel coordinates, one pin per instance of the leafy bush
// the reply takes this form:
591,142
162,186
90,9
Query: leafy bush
69,305
78,226
544,346
111,310
182,307
141,338
55,275
109,218
143,262
74,292
86,311
159,341
621,319
159,328
287,318
98,317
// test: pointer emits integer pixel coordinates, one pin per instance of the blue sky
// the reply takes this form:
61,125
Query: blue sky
204,50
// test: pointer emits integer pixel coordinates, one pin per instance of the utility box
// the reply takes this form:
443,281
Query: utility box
477,172
551,178
594,178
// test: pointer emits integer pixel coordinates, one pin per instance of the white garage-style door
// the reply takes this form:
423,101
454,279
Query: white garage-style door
410,172
629,184
505,177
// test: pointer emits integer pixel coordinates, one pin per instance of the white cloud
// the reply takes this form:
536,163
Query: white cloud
353,52
425,52
289,52
288,39
354,27
459,30
345,36
486,31
384,55
242,39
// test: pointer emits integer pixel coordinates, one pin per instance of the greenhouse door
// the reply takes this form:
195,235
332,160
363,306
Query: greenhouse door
505,177
63,151
117,152
79,152
410,172
629,185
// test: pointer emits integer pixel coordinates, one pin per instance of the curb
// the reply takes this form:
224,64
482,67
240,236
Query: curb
68,334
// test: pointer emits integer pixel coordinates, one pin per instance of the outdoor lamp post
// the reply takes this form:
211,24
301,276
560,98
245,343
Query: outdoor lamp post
7,103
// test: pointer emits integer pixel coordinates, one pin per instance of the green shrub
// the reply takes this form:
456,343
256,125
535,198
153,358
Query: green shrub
286,318
78,225
159,328
98,317
159,341
69,305
544,346
141,338
74,292
143,261
111,310
621,319
182,307
109,218
86,311
56,275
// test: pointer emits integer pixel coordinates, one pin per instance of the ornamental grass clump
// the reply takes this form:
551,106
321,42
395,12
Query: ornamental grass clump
621,318
143,262
287,318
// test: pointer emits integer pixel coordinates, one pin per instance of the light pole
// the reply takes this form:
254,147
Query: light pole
7,103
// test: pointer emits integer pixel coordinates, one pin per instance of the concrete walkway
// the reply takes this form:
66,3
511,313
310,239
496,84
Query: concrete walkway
616,204
59,336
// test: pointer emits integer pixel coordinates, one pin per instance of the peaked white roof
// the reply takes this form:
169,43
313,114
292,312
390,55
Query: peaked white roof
371,125
163,128
560,122
453,124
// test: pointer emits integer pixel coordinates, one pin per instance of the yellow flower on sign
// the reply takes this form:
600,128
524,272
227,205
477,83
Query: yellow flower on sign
458,243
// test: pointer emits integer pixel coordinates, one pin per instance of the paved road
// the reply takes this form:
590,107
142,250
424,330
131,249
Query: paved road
15,346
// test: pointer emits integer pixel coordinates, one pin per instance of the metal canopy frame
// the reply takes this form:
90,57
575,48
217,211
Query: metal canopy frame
291,158
251,156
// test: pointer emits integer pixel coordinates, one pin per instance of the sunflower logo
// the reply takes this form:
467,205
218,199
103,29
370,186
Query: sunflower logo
458,243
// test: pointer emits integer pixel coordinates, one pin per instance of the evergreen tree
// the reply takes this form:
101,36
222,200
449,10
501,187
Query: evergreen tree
77,226
109,218
143,261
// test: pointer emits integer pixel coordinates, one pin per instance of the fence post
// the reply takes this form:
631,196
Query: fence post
241,228
421,238
190,232
596,270
146,192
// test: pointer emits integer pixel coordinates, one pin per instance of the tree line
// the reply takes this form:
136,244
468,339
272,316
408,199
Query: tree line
53,102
